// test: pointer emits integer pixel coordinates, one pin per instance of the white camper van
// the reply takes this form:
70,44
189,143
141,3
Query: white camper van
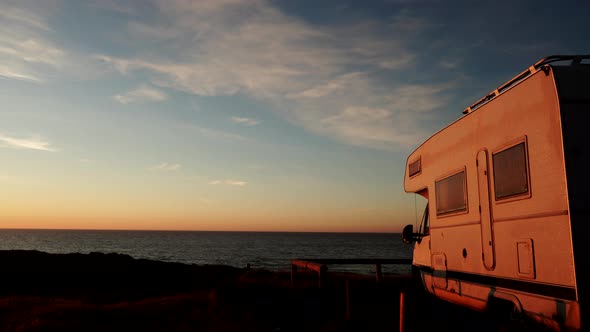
507,223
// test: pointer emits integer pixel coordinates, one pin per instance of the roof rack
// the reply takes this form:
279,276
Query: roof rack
575,60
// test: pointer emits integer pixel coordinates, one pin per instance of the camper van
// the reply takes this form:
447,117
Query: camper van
507,223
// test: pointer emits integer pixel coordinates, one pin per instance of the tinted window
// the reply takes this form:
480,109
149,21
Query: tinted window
415,167
424,226
451,194
510,172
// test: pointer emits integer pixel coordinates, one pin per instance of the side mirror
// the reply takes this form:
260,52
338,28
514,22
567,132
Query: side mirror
408,235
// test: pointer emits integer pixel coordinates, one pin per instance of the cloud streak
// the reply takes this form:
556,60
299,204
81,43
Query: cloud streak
219,135
238,183
143,93
21,16
16,73
33,143
166,167
314,76
244,121
25,50
32,50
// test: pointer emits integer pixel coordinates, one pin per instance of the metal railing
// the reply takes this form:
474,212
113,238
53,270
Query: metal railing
540,65
321,266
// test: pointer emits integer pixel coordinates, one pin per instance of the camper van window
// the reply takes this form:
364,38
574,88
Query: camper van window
451,195
415,167
424,227
510,172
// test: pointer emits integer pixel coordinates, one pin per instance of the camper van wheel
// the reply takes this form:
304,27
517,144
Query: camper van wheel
503,316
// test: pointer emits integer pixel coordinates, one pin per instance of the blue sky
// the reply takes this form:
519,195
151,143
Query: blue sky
245,115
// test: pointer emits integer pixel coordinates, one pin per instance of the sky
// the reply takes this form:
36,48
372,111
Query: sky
245,115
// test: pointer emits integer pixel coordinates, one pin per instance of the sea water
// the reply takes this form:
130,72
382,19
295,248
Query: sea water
267,250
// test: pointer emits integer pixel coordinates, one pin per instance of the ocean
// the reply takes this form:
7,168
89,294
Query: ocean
272,251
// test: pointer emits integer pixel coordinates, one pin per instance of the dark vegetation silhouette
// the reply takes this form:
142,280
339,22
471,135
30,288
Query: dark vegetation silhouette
115,292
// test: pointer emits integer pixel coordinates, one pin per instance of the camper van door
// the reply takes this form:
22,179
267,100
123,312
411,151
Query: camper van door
487,238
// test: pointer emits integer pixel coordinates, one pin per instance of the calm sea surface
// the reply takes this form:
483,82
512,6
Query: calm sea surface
271,251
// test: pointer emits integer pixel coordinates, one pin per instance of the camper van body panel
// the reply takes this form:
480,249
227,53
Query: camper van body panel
573,85
527,251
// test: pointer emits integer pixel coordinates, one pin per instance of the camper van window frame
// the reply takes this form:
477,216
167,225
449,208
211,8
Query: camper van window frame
518,196
455,212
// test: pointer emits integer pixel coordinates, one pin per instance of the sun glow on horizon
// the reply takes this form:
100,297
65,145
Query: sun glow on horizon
294,117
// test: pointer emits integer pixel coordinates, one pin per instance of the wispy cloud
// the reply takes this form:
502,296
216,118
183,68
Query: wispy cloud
256,166
341,83
449,64
26,51
147,30
114,6
32,50
167,167
312,75
367,126
33,143
143,93
28,58
244,121
238,183
23,17
219,134
14,72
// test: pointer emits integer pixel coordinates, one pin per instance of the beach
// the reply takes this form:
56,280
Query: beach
115,292
98,292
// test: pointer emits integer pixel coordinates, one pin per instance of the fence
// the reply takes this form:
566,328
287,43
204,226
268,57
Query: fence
321,266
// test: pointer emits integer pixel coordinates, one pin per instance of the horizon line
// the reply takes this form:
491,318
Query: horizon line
193,230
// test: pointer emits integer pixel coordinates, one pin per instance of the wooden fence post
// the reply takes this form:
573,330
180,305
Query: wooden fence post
293,272
348,304
323,271
405,310
402,304
378,272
